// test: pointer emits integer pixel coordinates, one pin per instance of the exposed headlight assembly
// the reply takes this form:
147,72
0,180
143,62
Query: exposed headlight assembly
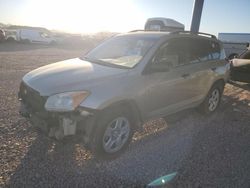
64,102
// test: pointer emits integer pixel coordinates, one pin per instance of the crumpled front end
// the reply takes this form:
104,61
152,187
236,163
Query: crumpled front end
54,124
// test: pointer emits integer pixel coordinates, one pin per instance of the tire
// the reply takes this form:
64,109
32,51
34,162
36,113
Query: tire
26,41
113,125
11,39
212,100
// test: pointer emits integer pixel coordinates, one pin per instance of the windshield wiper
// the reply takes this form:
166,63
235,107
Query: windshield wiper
92,60
101,62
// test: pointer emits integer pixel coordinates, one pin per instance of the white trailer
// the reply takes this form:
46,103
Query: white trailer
234,43
163,24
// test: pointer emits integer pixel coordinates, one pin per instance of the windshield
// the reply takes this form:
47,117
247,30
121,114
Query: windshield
125,51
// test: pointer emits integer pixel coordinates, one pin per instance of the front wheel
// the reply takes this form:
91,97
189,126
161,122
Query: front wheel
212,101
113,134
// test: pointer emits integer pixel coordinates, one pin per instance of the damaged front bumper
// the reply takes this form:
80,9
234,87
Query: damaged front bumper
59,125
55,124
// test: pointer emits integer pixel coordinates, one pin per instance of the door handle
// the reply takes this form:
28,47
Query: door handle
185,75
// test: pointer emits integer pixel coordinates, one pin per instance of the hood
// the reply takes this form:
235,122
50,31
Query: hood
69,75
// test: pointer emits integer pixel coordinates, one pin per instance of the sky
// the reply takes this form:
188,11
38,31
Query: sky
87,16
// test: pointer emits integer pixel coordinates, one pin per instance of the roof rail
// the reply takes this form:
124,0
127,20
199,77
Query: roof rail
198,33
137,30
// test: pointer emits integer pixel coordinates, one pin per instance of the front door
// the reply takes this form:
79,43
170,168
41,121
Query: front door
170,83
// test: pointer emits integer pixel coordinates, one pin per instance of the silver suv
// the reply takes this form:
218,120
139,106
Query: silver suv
125,81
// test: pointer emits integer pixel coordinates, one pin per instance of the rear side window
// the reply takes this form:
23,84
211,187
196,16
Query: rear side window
184,50
203,50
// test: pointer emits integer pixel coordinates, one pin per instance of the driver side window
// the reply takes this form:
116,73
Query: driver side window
171,54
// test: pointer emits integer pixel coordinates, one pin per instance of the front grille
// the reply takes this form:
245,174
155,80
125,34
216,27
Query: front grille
32,98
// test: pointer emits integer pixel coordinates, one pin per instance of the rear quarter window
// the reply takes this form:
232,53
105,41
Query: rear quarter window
215,50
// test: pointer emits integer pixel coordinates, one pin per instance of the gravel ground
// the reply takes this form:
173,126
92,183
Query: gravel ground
206,151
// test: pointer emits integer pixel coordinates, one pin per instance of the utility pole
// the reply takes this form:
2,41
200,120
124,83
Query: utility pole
196,19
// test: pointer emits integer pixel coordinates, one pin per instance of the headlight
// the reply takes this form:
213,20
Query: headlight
63,102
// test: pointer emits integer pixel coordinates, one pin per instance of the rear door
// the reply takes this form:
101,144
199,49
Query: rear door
204,60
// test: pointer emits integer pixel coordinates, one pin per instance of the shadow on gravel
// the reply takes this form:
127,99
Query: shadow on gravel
206,151
47,164
52,164
220,152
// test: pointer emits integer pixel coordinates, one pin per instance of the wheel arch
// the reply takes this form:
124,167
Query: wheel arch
10,39
220,82
129,105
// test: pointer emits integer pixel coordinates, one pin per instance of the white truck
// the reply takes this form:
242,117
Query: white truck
234,43
35,35
11,35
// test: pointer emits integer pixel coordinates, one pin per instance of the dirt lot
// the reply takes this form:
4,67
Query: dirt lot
209,151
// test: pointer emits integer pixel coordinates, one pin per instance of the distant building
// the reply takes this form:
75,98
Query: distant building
234,43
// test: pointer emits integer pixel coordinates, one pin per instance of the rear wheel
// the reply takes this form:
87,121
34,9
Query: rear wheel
212,101
113,133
